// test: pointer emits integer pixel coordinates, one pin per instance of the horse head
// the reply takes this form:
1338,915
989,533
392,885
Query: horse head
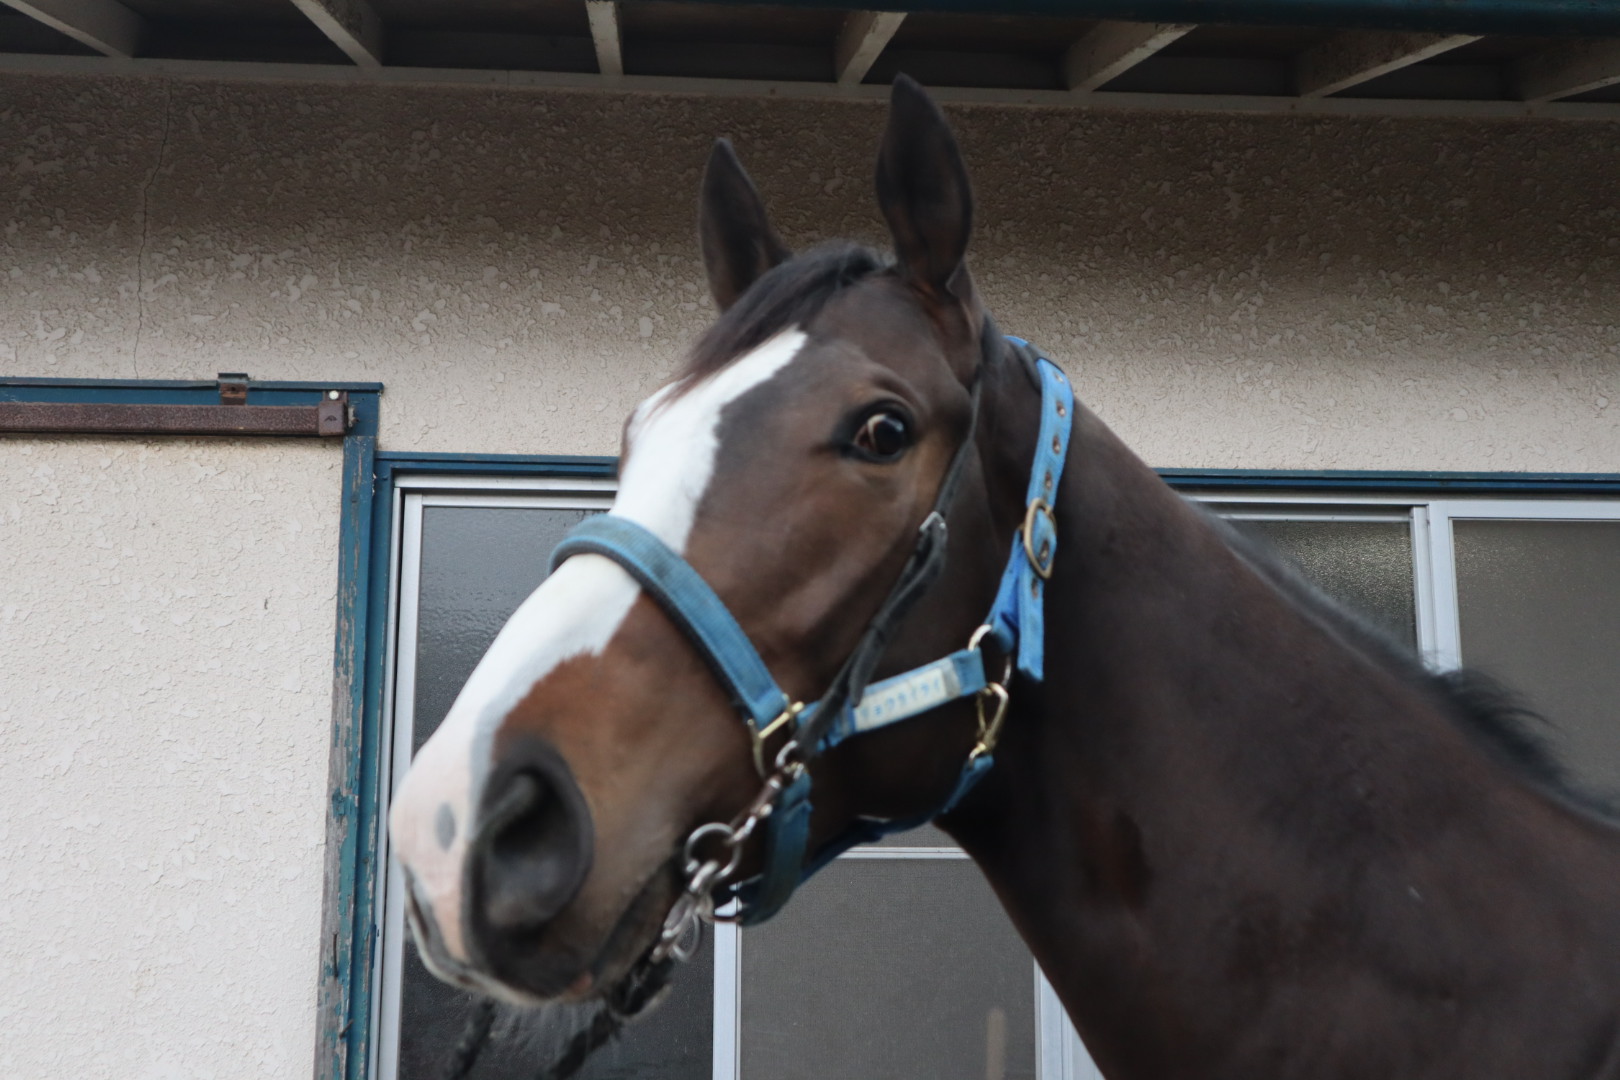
544,828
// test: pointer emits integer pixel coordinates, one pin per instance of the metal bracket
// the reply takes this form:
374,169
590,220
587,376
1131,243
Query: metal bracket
333,416
233,387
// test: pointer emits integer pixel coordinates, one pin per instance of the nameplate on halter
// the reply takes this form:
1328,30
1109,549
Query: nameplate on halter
905,696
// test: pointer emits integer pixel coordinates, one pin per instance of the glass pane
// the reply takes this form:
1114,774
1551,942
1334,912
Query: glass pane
889,970
1365,565
478,565
1540,609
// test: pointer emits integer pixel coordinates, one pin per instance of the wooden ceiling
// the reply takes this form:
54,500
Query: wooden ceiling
804,49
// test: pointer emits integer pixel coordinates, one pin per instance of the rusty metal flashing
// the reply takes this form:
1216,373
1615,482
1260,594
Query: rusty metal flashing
32,417
240,407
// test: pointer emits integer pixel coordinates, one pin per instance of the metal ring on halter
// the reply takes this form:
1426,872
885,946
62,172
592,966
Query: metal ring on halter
984,631
728,837
787,763
760,736
696,903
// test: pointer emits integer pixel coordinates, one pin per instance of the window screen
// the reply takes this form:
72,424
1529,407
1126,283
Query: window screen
889,969
1365,565
1539,603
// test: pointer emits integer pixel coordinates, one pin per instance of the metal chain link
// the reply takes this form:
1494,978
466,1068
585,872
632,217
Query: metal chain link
683,927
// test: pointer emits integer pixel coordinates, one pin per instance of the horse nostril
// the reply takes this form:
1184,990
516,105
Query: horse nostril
536,849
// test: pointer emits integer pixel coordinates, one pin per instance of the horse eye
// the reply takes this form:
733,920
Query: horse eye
884,435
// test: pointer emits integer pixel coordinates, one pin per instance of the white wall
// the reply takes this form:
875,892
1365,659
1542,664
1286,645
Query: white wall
519,268
166,621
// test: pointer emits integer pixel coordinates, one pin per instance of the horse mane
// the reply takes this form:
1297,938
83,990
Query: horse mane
1495,717
790,293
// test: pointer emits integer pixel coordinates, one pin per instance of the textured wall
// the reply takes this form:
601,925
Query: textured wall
519,267
166,615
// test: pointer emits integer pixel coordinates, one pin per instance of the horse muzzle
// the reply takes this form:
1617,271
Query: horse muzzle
524,859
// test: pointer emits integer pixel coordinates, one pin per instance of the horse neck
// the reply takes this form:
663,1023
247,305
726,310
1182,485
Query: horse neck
1210,777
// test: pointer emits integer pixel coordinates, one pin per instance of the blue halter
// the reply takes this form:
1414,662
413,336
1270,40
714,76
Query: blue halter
1015,623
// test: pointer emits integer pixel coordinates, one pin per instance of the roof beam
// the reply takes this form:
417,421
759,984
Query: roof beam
861,41
604,16
105,25
529,80
1112,48
1574,67
1357,56
353,26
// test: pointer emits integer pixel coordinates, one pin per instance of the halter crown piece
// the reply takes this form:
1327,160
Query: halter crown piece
852,704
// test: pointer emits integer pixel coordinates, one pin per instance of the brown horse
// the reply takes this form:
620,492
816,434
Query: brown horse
1243,836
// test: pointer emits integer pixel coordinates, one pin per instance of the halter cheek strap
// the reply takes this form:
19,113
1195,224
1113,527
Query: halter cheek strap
852,706
1018,616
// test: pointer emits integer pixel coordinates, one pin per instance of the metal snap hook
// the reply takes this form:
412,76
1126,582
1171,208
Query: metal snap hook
989,727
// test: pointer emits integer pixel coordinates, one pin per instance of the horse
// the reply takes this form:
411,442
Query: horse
1243,835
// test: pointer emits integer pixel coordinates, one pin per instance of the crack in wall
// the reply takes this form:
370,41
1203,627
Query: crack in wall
140,255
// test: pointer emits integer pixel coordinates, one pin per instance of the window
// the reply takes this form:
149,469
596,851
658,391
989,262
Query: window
1537,603
897,961
1527,591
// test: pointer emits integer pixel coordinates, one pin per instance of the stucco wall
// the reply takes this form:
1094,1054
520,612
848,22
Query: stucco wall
519,268
166,621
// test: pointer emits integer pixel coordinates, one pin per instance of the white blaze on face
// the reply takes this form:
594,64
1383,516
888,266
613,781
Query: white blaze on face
673,441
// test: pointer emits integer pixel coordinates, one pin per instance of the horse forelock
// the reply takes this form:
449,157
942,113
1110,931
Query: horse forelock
788,295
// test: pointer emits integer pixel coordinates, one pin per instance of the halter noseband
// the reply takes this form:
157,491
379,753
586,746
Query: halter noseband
781,810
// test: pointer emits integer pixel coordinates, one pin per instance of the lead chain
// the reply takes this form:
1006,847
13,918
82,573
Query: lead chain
683,926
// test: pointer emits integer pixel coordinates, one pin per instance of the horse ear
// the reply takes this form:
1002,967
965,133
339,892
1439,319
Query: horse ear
923,190
739,244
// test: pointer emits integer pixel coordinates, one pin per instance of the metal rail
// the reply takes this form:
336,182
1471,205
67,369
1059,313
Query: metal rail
328,417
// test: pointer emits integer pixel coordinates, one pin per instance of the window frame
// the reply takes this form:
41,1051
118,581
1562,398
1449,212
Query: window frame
1430,501
411,496
1446,613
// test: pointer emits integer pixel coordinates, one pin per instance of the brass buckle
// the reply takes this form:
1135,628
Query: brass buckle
1039,506
761,736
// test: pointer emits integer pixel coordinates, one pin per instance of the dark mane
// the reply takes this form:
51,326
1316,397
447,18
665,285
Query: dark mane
1497,719
789,293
